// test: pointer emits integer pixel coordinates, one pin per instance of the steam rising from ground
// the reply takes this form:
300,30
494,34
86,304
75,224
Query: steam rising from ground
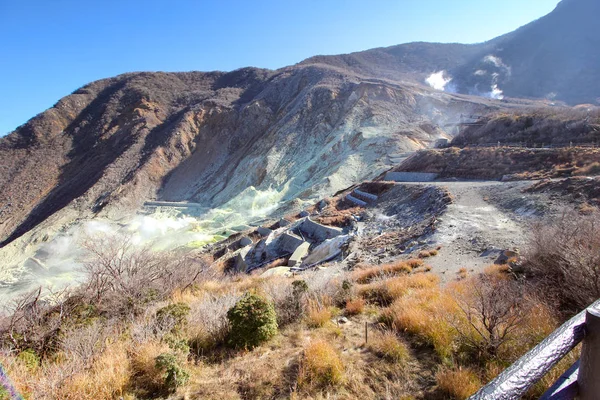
58,262
438,80
490,74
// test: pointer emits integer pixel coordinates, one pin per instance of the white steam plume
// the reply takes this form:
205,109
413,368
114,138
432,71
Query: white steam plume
438,81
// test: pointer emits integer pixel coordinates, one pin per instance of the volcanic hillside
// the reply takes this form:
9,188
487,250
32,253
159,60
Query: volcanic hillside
207,137
554,57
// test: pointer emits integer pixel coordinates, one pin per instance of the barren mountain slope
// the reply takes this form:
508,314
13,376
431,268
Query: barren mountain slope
554,57
210,136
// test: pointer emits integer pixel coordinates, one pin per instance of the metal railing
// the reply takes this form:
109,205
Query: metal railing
582,379
527,145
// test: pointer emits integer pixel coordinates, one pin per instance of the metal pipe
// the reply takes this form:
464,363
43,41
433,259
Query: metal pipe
565,387
514,382
589,370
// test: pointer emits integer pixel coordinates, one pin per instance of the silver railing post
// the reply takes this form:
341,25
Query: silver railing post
589,369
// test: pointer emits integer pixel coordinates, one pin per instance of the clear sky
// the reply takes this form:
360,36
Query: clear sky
49,48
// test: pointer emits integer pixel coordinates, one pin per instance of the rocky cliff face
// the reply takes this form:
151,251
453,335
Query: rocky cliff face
208,137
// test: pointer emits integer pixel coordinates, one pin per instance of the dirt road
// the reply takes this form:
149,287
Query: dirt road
474,228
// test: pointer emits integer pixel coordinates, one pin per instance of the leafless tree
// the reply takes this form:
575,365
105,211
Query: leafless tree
123,277
35,319
494,308
564,257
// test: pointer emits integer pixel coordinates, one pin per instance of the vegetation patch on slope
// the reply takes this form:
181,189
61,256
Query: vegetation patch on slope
504,162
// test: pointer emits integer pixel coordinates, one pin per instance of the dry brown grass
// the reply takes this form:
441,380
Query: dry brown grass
355,306
107,378
368,273
494,163
427,253
321,366
422,313
143,365
388,346
386,291
318,313
458,383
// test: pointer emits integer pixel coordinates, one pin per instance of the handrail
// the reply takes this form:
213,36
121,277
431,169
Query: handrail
514,382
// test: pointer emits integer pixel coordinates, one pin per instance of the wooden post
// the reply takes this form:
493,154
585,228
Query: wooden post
366,332
589,369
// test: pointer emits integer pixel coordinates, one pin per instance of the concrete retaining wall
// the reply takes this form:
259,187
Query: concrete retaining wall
356,201
177,204
317,231
364,195
410,176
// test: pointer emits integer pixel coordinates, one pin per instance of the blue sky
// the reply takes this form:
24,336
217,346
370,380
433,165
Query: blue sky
49,48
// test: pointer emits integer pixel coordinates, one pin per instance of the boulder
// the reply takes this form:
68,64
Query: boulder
245,241
240,259
264,232
277,271
505,256
326,251
300,252
288,242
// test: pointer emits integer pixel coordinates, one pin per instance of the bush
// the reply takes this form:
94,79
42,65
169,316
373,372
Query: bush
458,383
289,300
122,278
564,258
253,321
208,326
174,375
355,306
30,358
321,365
492,308
389,347
173,317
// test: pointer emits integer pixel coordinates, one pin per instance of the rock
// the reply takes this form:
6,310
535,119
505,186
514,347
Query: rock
300,252
264,232
245,241
343,320
505,256
277,271
288,242
240,259
322,204
303,214
326,251
283,222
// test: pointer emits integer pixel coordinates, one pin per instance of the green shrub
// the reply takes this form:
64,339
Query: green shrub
253,320
30,358
175,314
175,375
